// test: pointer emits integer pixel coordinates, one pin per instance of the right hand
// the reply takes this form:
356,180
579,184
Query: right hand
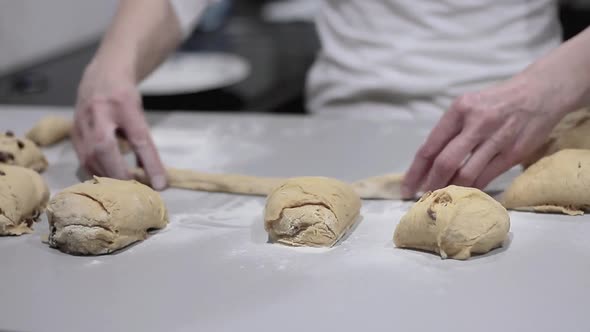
109,102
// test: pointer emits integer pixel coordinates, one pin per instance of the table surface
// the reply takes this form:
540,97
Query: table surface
212,269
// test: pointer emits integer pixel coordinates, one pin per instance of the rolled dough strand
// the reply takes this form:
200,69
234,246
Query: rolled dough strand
386,186
226,183
51,130
377,187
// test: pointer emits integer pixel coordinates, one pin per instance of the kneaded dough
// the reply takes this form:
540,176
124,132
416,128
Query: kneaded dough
455,222
21,152
377,187
558,183
23,196
50,130
103,215
572,132
310,211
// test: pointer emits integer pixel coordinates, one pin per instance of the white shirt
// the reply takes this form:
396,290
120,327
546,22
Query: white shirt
409,56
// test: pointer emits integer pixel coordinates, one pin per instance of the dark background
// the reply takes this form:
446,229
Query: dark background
280,55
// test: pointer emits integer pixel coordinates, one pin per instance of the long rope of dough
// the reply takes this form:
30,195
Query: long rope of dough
377,187
53,129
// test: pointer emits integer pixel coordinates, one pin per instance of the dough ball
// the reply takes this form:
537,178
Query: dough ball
572,132
21,152
455,222
311,211
50,130
23,196
557,183
103,215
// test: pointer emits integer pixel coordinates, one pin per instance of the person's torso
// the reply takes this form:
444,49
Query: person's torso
383,53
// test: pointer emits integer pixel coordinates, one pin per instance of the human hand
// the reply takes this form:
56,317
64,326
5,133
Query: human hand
483,135
109,103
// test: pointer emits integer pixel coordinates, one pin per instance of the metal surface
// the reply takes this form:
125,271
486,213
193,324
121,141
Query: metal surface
212,270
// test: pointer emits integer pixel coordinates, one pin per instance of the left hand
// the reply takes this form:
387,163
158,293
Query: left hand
483,135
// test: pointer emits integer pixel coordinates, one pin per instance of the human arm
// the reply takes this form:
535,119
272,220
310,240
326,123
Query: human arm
142,34
487,132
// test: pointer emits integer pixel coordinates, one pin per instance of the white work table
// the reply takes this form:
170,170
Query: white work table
212,269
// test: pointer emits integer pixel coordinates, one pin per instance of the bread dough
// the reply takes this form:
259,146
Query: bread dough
380,187
558,183
23,196
310,211
455,222
50,130
21,152
103,215
377,187
572,132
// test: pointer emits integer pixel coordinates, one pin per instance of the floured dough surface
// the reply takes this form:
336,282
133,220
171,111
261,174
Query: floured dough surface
23,196
50,130
103,215
311,211
455,222
21,152
572,132
558,183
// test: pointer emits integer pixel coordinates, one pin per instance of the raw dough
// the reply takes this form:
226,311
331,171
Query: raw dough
572,132
103,215
54,129
50,130
310,211
23,196
455,222
377,187
21,152
557,183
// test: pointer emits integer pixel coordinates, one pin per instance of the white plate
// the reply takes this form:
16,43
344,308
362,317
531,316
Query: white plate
195,72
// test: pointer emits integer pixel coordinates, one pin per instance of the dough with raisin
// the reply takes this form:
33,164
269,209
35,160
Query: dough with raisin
21,152
103,215
23,196
455,222
311,211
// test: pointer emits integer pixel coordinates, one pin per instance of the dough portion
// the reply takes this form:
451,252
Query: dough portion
558,183
572,132
377,187
103,215
23,197
21,152
50,130
455,222
310,211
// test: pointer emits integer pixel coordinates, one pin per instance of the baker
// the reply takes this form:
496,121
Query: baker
494,72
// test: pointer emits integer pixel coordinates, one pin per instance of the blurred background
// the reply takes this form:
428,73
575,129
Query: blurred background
246,55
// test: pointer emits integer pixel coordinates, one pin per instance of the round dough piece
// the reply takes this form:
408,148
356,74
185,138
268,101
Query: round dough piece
311,211
103,215
23,196
21,152
455,222
558,183
572,132
50,130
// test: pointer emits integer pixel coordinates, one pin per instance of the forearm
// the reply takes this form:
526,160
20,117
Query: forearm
567,70
141,35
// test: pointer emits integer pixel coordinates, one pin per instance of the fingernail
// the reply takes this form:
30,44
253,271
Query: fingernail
159,182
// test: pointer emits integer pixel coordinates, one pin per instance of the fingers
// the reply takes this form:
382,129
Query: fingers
137,132
450,160
106,155
446,129
470,172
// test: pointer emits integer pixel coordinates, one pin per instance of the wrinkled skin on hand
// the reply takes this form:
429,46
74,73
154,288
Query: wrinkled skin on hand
483,135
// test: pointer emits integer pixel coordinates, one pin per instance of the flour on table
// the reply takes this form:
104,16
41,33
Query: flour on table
204,149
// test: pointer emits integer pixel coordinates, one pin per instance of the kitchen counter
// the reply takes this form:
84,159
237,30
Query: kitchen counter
212,269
